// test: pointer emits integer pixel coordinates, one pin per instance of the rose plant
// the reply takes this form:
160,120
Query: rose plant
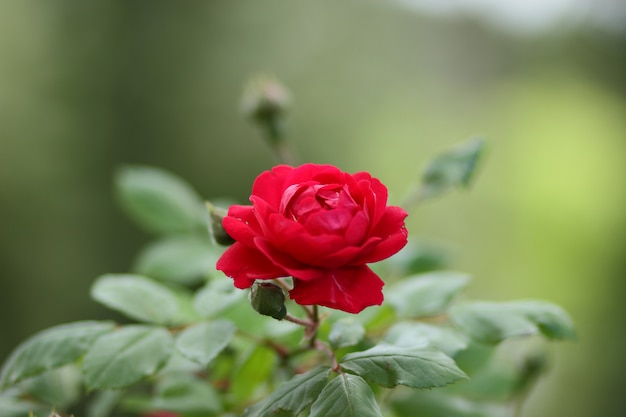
332,345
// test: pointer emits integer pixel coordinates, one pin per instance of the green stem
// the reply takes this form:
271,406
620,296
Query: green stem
319,345
275,137
285,155
311,333
282,284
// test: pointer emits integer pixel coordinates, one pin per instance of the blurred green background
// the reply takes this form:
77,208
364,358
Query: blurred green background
86,86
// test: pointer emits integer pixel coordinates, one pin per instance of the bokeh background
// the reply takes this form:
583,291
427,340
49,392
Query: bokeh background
382,86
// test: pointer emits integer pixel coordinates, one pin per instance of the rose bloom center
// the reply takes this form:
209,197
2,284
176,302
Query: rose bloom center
320,208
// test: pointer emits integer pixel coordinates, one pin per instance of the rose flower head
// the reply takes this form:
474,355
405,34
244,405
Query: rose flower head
319,225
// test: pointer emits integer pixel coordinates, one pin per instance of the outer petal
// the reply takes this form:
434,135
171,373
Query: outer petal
344,257
241,225
357,229
375,197
291,238
281,229
391,229
391,222
323,174
348,289
286,262
245,265
262,212
271,184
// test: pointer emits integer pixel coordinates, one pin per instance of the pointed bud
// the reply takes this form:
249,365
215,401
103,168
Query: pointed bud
268,299
216,229
265,101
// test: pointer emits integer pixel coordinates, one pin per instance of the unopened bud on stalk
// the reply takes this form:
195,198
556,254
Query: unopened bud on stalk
265,101
268,299
218,234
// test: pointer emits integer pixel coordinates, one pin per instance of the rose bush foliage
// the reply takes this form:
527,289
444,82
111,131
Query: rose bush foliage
320,226
199,349
204,350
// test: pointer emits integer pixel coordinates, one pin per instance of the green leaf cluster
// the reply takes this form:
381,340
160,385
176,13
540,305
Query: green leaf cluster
190,343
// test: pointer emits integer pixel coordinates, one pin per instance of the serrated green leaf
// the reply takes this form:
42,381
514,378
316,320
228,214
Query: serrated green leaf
51,349
346,396
388,366
346,332
418,335
183,393
143,299
183,260
159,201
426,294
124,357
203,341
454,168
293,396
179,363
492,322
217,296
61,386
552,320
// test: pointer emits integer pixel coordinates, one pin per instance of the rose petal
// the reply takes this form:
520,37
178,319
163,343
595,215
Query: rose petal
311,250
333,221
391,222
345,256
384,249
375,197
245,264
357,229
296,241
323,174
270,184
282,229
346,199
393,233
286,262
262,211
241,225
348,289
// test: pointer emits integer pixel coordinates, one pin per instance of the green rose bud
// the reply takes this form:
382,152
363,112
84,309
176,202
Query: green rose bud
268,299
265,100
218,234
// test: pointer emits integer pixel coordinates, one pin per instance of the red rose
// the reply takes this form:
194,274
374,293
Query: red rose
319,225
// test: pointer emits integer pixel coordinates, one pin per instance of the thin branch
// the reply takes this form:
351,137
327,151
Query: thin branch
305,323
282,284
319,345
